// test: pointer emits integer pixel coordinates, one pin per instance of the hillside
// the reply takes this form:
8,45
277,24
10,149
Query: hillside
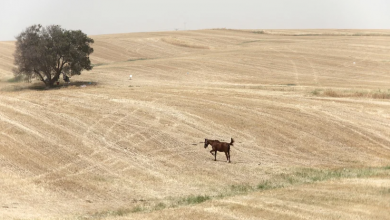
290,99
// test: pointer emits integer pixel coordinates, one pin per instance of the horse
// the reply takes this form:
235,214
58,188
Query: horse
219,146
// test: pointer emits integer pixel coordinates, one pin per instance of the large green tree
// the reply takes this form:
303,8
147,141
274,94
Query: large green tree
46,52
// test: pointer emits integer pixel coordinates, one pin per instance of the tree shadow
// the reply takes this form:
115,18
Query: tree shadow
82,83
39,86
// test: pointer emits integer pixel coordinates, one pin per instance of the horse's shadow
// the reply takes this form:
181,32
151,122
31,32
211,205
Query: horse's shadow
231,162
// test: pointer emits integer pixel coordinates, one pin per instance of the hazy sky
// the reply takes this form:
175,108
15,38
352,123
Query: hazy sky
121,16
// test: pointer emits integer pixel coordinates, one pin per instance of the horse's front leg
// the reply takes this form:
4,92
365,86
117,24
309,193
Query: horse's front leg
215,156
211,152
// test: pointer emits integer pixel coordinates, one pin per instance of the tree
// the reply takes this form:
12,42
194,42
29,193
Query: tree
45,53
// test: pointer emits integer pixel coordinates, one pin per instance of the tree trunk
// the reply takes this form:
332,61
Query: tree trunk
54,80
50,82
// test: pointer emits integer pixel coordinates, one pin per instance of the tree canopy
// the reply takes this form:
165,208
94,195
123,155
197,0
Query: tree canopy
46,52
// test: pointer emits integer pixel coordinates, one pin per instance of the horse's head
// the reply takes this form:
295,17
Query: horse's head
206,143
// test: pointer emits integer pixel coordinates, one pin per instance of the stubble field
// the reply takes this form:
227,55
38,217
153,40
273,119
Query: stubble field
309,111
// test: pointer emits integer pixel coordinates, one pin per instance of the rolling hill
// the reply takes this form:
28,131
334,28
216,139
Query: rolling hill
108,147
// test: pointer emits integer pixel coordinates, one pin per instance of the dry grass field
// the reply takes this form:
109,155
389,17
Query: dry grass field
309,111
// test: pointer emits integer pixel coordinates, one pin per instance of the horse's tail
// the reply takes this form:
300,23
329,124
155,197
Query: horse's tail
232,141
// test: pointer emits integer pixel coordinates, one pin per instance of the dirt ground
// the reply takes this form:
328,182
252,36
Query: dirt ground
106,143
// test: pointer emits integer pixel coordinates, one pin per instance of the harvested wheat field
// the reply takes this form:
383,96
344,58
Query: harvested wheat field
309,112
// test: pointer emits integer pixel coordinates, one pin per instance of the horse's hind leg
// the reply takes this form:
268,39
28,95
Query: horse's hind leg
228,156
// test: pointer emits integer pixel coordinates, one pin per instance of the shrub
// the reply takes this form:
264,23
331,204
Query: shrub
193,200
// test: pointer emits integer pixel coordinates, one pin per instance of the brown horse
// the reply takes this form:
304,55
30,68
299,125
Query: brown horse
219,146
